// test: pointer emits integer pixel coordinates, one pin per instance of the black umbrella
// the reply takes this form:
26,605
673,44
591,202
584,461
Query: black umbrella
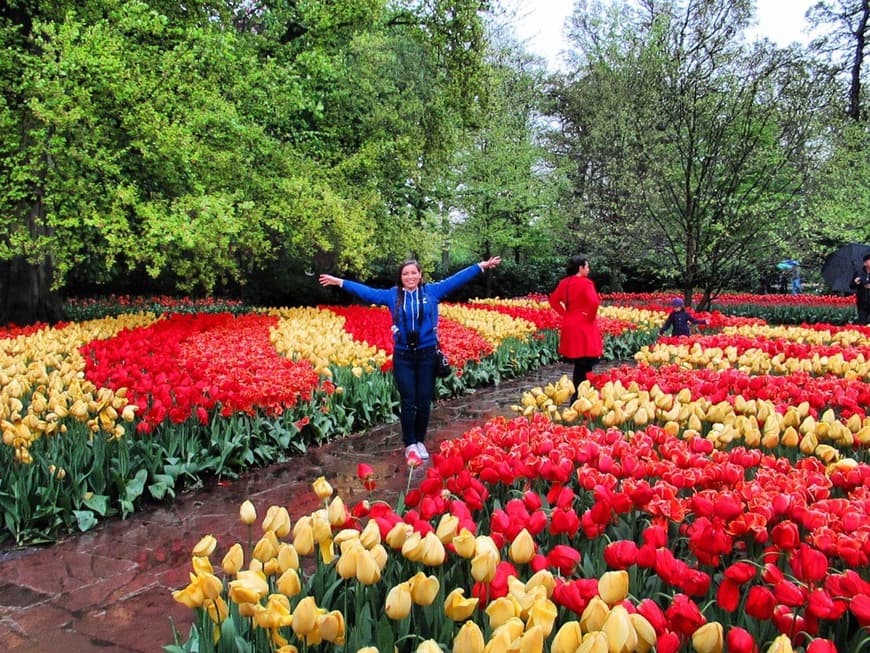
844,265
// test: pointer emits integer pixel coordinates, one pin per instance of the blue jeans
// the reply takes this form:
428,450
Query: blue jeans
414,372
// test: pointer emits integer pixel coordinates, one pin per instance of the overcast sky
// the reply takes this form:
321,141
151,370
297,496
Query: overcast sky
542,22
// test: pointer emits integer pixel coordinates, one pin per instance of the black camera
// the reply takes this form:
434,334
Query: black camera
413,338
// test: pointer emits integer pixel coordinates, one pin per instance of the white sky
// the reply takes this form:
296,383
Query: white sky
541,22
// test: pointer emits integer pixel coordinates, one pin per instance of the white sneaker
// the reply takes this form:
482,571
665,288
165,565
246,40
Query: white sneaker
422,451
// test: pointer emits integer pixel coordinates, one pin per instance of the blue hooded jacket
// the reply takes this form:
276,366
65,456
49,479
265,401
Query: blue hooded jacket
420,312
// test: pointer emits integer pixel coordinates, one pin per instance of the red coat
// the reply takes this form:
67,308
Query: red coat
576,300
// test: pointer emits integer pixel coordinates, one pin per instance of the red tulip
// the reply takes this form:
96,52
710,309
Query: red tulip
728,595
684,616
564,558
809,565
739,640
668,642
786,535
760,602
821,646
621,554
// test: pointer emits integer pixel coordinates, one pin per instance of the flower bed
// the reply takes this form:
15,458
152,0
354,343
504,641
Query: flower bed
694,502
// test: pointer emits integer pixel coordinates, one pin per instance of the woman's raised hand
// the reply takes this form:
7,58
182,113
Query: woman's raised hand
490,263
329,280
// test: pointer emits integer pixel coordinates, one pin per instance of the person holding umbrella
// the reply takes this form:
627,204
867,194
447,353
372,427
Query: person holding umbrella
861,284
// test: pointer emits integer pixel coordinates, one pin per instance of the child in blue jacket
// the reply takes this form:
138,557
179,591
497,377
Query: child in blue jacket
679,320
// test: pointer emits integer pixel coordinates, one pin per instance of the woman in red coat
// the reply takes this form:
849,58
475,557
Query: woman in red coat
576,300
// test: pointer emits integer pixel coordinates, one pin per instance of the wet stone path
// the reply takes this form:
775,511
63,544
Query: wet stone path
110,589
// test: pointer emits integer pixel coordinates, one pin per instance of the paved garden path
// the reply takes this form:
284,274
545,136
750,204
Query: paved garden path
110,589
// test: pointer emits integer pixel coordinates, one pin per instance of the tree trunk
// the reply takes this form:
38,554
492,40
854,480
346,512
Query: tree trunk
26,296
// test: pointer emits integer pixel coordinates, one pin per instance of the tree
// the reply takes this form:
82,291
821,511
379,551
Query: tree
197,143
844,41
684,136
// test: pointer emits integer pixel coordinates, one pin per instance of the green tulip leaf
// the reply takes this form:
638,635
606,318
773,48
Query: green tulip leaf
86,519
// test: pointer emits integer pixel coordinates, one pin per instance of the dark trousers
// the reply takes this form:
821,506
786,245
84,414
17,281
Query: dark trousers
864,315
414,372
582,367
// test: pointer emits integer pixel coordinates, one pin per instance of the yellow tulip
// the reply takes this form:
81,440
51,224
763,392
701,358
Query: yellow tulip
303,536
398,534
543,578
201,565
532,641
522,549
218,610
332,627
501,641
322,488
709,638
305,617
646,634
594,642
502,609
249,587
782,644
429,646
368,571
206,546
613,586
212,586
264,549
289,583
247,513
190,597
398,604
457,607
233,560
380,555
621,636
469,639
568,638
543,614
424,588
464,544
370,536
337,512
368,649
447,527
433,552
412,548
594,615
277,519
287,556
346,565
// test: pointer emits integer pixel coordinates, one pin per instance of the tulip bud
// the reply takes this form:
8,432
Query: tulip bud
289,583
543,614
380,555
303,536
522,549
621,635
447,527
594,642
502,609
613,586
346,565
287,556
594,615
568,638
433,552
469,639
782,644
247,513
370,535
532,640
709,638
264,550
368,572
337,513
646,634
206,546
233,560
305,617
429,646
322,488
398,604
398,534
